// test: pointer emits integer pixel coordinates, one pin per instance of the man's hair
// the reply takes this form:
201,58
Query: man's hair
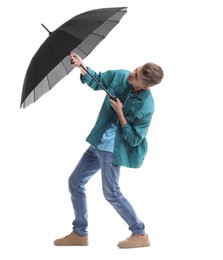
152,74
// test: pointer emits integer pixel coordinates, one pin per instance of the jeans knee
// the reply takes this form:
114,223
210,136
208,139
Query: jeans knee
75,185
70,184
111,195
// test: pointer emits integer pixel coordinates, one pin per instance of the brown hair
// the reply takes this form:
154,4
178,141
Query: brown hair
152,74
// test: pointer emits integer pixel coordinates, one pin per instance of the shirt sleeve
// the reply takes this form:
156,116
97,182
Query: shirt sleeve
104,79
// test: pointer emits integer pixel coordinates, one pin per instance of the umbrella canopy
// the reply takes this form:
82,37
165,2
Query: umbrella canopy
51,62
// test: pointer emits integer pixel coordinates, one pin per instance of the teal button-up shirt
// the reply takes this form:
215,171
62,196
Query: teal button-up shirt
130,143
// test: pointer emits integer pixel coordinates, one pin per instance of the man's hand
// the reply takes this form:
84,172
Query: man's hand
117,106
76,61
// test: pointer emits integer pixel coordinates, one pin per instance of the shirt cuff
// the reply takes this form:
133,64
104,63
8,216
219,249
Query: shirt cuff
86,77
126,130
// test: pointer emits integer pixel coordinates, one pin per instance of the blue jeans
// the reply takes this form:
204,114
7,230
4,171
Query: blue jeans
91,162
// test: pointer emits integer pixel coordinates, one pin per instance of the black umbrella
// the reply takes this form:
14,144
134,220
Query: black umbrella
51,62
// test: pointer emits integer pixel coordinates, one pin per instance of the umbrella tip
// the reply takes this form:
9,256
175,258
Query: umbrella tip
46,29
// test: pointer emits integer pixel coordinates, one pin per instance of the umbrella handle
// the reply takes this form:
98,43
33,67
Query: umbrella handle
112,97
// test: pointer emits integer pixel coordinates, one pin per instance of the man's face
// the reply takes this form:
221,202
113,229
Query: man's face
136,79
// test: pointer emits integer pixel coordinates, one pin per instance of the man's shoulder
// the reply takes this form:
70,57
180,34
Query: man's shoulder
122,74
122,71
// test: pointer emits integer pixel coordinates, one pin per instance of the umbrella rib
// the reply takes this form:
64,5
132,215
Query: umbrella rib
102,36
48,80
59,61
34,94
115,21
81,50
64,67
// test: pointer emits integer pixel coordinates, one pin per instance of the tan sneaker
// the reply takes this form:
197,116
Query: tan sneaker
72,240
135,241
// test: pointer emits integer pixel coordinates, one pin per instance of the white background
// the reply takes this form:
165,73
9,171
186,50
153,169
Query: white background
177,192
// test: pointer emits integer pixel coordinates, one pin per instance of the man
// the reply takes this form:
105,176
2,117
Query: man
117,139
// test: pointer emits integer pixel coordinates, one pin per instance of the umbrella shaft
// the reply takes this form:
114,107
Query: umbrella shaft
97,82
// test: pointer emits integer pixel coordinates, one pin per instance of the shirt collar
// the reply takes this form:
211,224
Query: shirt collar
143,94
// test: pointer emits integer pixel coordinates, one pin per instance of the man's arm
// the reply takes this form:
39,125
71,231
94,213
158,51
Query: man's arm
133,134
